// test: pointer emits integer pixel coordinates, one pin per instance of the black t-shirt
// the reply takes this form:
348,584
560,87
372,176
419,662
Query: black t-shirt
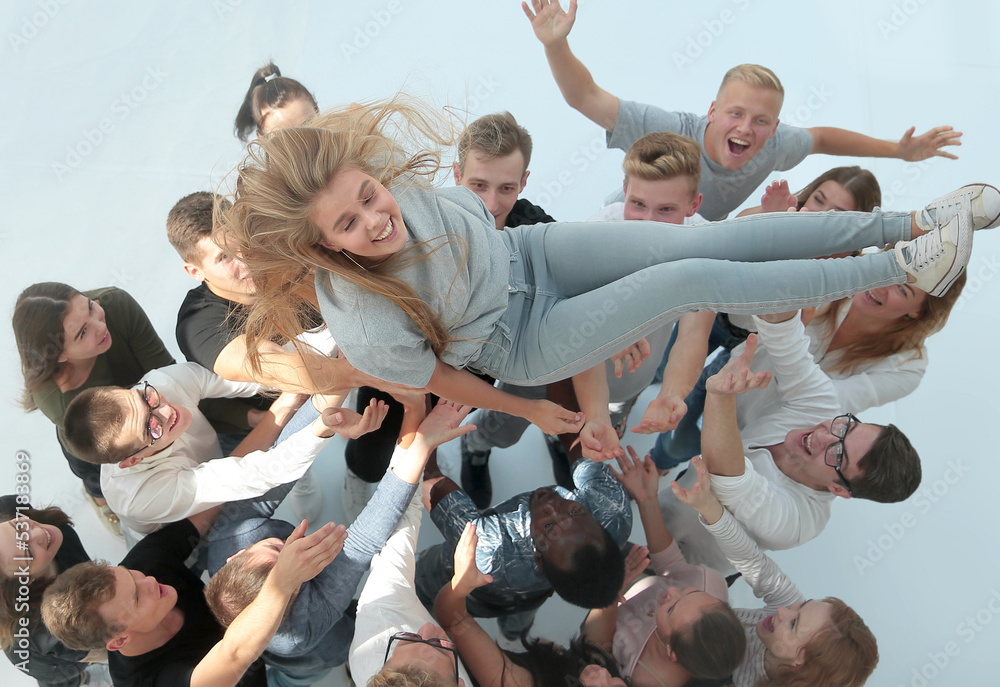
162,555
523,212
206,323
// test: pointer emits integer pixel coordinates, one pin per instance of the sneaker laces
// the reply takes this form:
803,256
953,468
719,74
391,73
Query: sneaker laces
927,251
950,202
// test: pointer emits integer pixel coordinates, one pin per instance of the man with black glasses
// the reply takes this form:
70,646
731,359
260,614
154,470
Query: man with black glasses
779,472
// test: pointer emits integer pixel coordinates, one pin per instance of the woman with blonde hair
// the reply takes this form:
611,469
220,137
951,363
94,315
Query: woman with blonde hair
418,288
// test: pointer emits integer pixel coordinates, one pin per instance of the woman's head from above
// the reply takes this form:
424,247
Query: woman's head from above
843,189
699,632
55,324
33,533
426,658
817,642
273,102
581,663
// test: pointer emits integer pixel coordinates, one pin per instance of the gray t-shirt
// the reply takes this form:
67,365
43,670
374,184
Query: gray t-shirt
464,281
723,189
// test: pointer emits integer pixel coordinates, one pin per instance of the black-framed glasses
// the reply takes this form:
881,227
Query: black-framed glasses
435,642
154,428
835,452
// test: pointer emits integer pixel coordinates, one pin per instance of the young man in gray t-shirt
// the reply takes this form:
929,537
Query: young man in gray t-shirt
741,139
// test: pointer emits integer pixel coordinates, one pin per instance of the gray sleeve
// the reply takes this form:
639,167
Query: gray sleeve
793,145
635,120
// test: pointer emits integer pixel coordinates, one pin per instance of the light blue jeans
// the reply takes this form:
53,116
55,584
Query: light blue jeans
580,292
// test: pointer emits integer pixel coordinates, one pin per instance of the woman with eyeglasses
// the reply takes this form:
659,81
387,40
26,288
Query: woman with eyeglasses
46,538
70,341
793,641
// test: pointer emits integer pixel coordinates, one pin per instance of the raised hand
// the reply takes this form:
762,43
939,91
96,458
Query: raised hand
777,198
599,441
304,557
636,561
553,419
549,22
640,477
915,148
662,414
467,575
442,424
631,358
348,423
700,496
736,377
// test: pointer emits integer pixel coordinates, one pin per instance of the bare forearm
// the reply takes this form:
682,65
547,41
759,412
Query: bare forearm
592,394
658,538
461,386
721,445
687,357
578,87
599,627
830,140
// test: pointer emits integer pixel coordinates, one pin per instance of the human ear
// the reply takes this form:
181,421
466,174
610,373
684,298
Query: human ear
457,171
118,642
329,246
130,461
838,489
194,271
695,204
711,112
524,181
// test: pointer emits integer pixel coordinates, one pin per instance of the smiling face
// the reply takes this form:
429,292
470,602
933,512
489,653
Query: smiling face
830,196
357,214
598,676
139,605
85,333
741,120
786,633
662,200
224,275
805,452
422,656
42,542
559,527
678,609
498,181
890,304
174,419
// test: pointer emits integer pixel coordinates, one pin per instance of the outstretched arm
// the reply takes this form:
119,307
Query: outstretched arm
552,26
598,438
301,559
684,366
830,140
461,386
480,654
721,445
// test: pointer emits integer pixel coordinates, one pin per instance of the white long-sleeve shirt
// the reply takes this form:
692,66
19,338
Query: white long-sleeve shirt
190,475
778,512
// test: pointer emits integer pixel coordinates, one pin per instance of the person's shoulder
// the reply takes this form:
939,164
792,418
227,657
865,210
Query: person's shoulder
154,549
525,212
111,297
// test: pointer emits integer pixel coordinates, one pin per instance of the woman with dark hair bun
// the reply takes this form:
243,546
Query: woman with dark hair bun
273,102
48,538
67,346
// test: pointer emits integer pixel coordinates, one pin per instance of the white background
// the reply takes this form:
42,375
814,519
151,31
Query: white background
169,76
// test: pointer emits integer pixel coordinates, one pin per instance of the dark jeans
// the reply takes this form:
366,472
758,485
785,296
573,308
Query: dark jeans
88,472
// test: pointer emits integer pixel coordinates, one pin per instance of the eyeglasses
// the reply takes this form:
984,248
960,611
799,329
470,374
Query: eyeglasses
835,453
435,642
154,428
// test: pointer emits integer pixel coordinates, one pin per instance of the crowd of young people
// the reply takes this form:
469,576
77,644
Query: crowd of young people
336,264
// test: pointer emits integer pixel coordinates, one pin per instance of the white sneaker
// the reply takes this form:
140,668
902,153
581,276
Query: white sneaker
936,259
984,201
306,498
354,495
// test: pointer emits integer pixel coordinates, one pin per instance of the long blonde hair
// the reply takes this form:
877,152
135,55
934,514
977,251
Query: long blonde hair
268,226
905,334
